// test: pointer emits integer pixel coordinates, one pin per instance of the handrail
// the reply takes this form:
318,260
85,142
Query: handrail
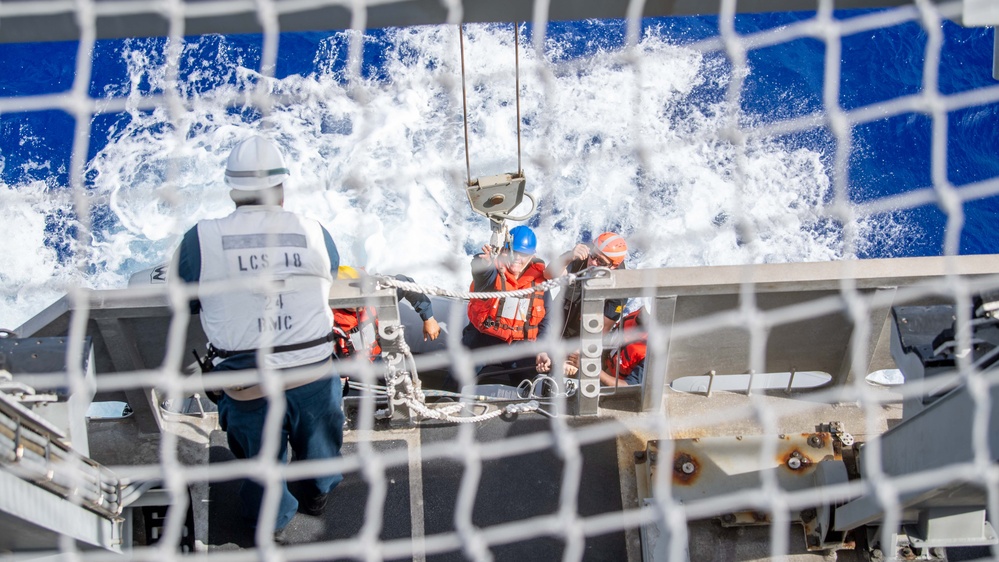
32,450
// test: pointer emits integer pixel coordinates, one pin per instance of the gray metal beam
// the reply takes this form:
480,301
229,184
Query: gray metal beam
33,20
126,358
152,302
878,331
347,294
813,333
790,277
939,436
815,340
657,358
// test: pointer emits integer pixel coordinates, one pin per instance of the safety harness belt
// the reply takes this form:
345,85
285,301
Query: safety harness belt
225,354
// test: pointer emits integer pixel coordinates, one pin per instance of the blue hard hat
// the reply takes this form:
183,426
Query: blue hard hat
523,240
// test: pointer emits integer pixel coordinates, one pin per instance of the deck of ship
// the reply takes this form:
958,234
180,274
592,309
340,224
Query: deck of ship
424,465
530,486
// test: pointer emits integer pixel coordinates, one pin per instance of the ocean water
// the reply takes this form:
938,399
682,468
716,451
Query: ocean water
632,140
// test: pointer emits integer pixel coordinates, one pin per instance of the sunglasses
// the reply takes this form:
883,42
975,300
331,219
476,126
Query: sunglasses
601,260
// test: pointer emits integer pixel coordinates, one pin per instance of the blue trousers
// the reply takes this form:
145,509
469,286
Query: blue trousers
313,425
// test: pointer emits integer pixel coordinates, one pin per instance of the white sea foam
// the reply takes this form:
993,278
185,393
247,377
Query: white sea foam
381,163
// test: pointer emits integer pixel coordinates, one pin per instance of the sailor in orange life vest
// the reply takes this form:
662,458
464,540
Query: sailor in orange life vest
359,326
509,320
624,366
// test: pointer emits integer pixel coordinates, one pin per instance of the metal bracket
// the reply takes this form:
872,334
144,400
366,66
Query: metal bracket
495,197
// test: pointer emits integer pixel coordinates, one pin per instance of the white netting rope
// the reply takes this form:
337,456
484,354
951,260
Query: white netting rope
841,121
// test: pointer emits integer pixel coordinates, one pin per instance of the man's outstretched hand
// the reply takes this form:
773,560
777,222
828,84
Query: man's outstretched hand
431,329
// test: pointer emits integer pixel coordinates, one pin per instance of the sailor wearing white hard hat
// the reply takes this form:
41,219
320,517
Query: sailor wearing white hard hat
287,329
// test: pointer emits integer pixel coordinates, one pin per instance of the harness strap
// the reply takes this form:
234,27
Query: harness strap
225,354
489,323
530,314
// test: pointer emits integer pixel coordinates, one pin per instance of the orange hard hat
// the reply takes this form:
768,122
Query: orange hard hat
613,246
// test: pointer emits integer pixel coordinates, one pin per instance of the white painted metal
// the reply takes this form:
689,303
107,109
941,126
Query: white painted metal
741,383
33,519
980,13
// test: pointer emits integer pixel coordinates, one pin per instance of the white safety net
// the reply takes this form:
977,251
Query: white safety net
775,269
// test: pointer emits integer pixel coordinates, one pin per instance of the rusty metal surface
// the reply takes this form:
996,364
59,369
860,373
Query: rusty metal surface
704,468
701,469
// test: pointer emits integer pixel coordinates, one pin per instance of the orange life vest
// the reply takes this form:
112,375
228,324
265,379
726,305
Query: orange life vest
354,322
511,319
624,360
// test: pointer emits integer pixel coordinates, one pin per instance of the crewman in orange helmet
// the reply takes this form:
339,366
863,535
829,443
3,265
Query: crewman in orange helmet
609,250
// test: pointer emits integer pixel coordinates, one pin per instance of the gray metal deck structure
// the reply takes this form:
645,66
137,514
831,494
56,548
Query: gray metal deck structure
802,302
25,22
803,315
806,329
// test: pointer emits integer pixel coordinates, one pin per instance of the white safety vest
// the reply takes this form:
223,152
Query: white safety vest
265,243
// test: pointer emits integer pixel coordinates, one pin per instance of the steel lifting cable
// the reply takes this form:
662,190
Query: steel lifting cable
464,97
464,104
516,78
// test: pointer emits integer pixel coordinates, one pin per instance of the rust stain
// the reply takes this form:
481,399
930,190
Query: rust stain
680,477
744,519
785,459
816,440
692,433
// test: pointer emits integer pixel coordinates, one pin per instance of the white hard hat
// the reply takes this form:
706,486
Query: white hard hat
255,164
